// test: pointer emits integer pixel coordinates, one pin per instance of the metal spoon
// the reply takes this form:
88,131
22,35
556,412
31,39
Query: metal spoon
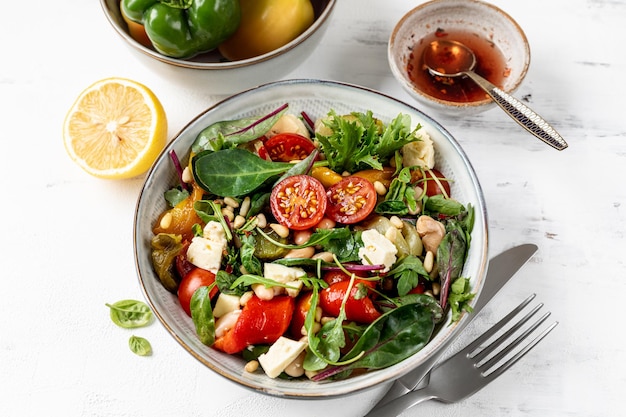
453,59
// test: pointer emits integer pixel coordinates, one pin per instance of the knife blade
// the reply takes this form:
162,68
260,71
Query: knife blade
501,268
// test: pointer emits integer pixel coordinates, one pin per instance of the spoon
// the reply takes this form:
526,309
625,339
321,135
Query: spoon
453,59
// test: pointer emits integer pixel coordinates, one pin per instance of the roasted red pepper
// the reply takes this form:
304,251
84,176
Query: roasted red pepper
361,310
260,322
303,304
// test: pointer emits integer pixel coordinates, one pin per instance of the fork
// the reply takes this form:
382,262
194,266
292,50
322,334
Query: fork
476,365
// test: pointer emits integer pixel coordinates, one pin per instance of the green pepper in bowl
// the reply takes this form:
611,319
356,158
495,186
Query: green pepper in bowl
184,28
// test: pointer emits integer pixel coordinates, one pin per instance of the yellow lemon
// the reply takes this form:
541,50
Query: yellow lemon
115,129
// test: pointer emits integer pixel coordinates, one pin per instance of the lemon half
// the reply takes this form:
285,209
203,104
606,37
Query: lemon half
115,129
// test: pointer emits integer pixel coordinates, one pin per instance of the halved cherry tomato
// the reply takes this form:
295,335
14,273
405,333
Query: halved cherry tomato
332,277
351,200
198,277
260,322
286,147
430,185
361,310
298,202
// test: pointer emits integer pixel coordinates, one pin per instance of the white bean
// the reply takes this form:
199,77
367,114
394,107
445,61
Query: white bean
306,253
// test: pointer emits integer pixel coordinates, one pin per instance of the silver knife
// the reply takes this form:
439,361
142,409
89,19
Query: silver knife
501,268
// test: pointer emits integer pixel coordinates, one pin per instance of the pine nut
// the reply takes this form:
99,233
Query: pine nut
436,288
239,221
245,207
187,175
245,297
391,234
228,213
282,231
252,366
166,220
261,220
231,202
429,261
396,222
380,188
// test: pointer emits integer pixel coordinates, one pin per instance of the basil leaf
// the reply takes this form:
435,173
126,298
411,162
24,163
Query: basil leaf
202,314
130,314
140,346
234,172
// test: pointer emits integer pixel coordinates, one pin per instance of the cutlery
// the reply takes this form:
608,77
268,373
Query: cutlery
447,58
477,365
501,268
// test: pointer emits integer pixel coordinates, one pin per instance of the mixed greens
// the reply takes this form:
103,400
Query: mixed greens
338,240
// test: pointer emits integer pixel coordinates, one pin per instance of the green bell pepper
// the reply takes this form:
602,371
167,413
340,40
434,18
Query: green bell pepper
184,28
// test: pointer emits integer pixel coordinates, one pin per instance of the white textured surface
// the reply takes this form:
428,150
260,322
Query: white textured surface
68,237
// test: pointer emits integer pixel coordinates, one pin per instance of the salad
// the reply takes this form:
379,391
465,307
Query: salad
314,249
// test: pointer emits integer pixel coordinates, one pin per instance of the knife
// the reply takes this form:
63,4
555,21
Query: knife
501,268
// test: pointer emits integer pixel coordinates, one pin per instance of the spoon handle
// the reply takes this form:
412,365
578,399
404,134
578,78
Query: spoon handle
521,113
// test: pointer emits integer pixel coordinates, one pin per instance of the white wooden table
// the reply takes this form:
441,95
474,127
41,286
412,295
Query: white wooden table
68,237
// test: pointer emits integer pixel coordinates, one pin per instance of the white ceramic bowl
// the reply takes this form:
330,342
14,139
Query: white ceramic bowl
221,76
316,98
475,17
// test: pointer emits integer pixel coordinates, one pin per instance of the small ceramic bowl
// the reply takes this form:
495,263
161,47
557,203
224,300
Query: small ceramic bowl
316,98
220,75
500,45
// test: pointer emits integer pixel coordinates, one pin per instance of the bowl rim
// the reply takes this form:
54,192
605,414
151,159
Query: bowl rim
407,85
225,65
372,378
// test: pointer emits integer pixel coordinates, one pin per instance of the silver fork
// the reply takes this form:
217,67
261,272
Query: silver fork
476,365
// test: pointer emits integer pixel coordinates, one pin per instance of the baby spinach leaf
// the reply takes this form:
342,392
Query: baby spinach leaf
202,314
130,314
140,346
234,172
225,282
438,204
230,133
422,299
396,335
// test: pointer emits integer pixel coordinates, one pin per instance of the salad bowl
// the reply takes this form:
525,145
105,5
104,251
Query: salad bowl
316,98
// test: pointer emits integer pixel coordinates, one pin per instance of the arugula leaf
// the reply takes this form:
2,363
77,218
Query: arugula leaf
230,133
407,272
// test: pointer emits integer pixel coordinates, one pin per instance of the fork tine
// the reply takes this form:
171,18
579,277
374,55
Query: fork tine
498,371
511,345
497,327
483,352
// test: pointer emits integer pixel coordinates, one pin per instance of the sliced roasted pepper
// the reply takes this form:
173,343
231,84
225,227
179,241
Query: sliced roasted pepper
184,28
181,218
261,322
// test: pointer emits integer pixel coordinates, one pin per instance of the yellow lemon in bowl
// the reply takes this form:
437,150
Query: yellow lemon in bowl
115,129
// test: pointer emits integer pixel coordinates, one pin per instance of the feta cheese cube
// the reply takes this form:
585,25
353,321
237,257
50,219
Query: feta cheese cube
206,252
280,355
225,304
377,250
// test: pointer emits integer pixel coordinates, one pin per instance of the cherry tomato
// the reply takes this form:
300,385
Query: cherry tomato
431,186
286,147
298,202
332,277
361,310
351,200
195,279
260,322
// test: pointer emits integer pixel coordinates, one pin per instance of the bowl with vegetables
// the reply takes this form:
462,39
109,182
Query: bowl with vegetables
231,44
311,239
